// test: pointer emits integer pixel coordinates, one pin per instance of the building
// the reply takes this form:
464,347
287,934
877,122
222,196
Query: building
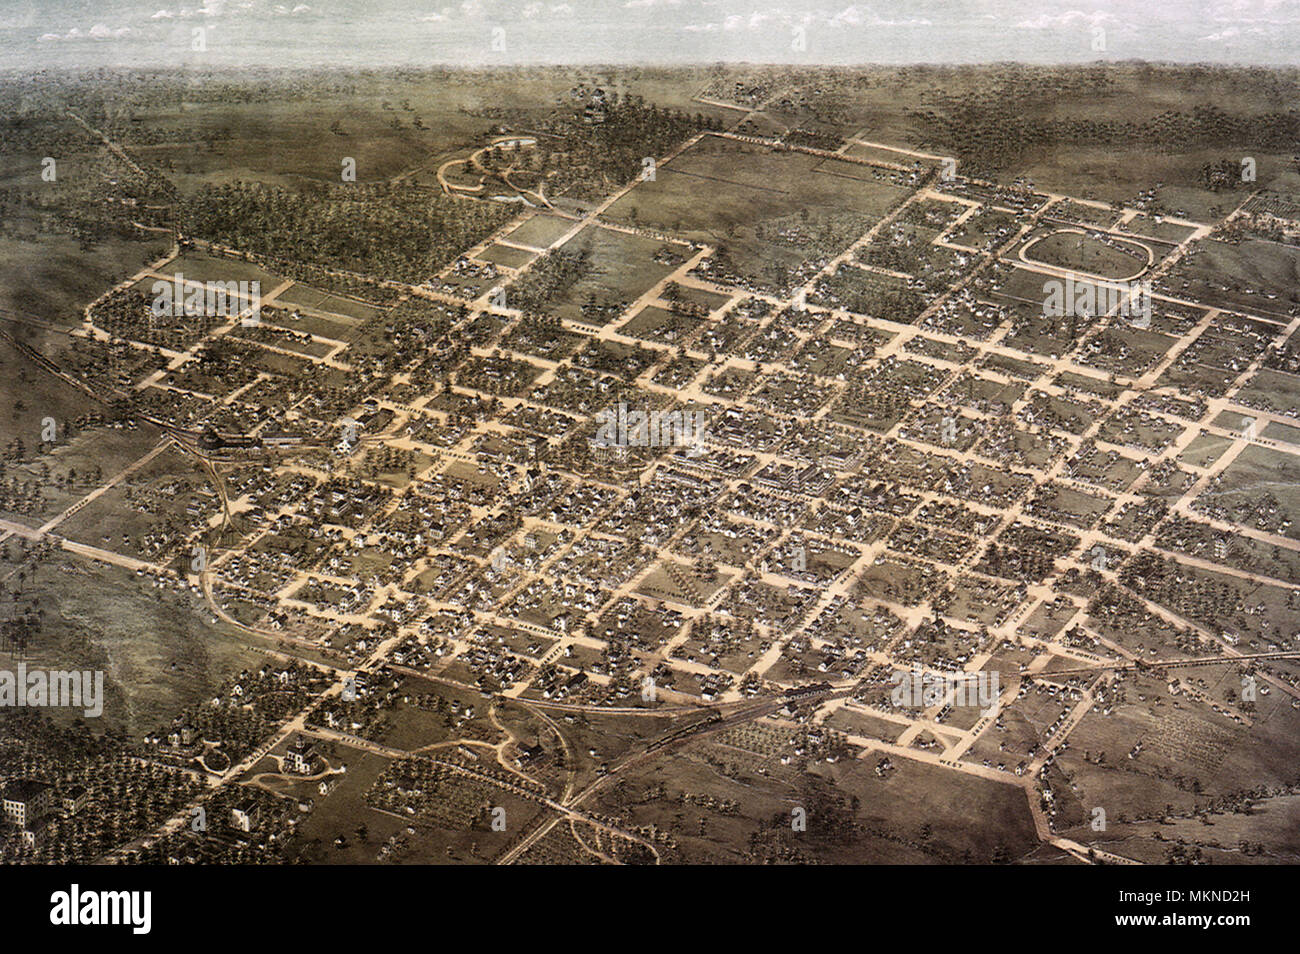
36,834
301,758
26,800
528,753
245,816
607,450
75,799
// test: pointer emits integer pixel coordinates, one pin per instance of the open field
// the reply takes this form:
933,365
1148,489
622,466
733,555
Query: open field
769,213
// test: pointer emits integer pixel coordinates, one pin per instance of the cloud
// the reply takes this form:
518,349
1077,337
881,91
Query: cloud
98,32
1265,12
536,8
1232,32
210,8
1071,19
851,16
856,16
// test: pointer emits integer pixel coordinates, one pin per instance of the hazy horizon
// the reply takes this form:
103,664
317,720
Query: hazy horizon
79,34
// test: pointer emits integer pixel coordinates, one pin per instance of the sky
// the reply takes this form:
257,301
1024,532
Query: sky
38,34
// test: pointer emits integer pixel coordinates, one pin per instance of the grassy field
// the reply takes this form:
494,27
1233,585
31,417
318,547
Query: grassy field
1112,258
623,267
1254,276
159,650
770,210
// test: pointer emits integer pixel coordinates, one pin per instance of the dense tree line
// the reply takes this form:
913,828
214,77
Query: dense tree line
994,132
550,279
394,231
590,151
